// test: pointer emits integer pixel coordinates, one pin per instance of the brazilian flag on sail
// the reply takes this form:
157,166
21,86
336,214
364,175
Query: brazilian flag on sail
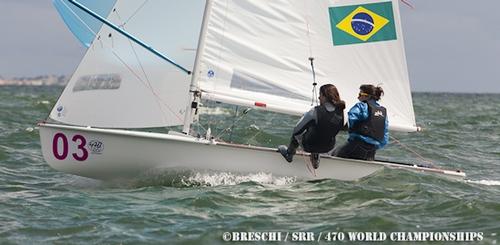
362,23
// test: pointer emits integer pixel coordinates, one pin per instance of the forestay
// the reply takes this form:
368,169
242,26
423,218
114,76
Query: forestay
119,84
257,54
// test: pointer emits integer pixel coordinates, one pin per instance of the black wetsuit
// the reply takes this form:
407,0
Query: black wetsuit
317,129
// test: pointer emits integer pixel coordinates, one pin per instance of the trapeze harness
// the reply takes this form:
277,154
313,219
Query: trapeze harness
374,125
320,137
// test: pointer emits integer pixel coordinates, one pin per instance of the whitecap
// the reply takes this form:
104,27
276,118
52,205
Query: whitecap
226,178
214,111
485,182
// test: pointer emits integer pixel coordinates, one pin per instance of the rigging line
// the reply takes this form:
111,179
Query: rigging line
309,165
135,53
253,137
154,93
148,84
408,4
128,35
259,132
138,77
210,116
314,98
232,126
137,11
209,123
199,125
412,151
245,112
79,18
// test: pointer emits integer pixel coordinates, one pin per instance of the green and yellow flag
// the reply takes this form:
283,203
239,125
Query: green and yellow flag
362,23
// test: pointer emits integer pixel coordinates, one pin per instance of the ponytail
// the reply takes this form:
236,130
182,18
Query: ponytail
332,95
379,92
374,92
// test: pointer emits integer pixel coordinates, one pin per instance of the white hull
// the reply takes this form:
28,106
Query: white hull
108,153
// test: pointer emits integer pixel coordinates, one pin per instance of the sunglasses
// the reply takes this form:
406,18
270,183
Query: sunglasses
363,94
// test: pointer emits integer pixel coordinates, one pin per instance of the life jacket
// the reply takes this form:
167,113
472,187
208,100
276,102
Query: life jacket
320,137
374,125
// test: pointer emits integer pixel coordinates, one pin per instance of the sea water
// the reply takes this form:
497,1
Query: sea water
39,205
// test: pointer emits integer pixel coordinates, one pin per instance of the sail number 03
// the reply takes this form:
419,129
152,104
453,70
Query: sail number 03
81,153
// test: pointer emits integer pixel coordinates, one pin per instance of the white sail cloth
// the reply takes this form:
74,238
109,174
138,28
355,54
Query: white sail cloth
257,54
119,84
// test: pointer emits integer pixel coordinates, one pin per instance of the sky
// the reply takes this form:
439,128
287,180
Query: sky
451,45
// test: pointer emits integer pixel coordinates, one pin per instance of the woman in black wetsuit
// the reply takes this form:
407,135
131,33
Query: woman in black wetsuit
316,130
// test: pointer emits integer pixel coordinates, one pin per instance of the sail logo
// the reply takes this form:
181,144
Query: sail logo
362,23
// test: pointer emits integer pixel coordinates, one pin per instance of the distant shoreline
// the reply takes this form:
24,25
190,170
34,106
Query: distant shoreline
47,80
54,80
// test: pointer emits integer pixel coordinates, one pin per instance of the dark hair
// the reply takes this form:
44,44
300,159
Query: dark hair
332,95
374,92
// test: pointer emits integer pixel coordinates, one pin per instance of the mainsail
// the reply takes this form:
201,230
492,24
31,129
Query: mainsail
119,84
257,54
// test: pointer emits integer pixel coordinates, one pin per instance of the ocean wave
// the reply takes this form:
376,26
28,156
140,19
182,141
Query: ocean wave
215,111
485,182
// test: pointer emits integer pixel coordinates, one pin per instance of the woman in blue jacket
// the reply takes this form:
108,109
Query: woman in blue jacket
368,126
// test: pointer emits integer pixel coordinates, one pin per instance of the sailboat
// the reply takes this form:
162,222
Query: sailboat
270,55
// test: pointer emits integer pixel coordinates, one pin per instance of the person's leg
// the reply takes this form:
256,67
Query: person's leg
353,149
336,150
370,154
289,152
294,144
345,150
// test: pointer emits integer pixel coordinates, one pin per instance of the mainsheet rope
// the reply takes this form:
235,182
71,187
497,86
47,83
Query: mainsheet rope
408,4
412,151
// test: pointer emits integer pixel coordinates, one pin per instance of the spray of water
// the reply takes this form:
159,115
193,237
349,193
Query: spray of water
485,182
226,178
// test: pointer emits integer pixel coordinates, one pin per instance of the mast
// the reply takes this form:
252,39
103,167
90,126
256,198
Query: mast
194,90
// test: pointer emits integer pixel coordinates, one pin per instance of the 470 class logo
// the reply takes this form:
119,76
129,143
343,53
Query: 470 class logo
96,147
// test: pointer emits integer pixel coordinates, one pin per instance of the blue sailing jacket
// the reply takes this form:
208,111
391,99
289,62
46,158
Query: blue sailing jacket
359,112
